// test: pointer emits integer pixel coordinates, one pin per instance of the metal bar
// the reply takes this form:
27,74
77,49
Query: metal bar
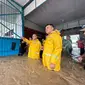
14,6
22,22
27,4
4,27
12,23
1,20
16,3
4,19
9,30
16,30
7,5
9,14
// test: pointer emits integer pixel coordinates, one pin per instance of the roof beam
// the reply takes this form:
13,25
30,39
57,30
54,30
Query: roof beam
27,3
14,6
34,23
16,3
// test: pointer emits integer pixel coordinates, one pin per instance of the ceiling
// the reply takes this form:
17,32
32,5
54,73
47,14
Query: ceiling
22,2
57,12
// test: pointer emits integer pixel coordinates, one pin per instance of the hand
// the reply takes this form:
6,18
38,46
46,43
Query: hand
52,66
22,38
41,47
80,59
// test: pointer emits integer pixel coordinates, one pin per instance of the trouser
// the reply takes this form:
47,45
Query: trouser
69,50
41,53
22,51
81,51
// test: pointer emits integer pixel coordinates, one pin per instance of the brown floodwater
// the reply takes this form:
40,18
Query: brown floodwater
23,71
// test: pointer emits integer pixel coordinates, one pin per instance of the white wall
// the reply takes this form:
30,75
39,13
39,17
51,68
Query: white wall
33,5
29,8
39,2
33,26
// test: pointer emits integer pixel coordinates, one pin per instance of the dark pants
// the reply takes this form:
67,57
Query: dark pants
81,51
70,50
41,52
21,51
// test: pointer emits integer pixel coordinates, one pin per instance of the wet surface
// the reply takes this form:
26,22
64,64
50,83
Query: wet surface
23,71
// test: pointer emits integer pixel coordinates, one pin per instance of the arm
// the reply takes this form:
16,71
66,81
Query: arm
56,55
26,40
80,58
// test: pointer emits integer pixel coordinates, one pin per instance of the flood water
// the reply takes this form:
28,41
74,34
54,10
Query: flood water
23,71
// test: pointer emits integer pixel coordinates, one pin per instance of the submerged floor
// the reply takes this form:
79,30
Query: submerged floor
24,71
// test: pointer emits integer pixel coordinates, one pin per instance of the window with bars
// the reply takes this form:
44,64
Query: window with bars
10,19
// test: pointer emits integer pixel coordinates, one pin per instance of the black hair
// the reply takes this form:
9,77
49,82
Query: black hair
62,30
68,36
51,25
35,34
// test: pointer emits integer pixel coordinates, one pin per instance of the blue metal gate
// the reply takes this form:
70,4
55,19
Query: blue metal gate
11,27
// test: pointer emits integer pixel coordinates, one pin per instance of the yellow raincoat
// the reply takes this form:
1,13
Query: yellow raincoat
34,48
52,50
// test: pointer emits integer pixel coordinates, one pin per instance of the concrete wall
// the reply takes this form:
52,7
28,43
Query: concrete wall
72,24
34,26
29,8
33,6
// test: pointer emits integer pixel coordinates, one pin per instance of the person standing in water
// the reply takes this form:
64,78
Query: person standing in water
34,47
52,49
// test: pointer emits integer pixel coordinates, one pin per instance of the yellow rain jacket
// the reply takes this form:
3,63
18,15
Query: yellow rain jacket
52,50
34,48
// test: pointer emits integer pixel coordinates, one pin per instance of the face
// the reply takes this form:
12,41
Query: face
48,29
84,32
62,33
30,38
34,36
67,37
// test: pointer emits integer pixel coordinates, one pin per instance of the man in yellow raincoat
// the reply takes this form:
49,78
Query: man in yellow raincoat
52,49
34,47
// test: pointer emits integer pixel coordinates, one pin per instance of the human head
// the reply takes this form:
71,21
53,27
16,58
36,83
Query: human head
34,36
62,32
68,37
83,30
30,38
49,28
